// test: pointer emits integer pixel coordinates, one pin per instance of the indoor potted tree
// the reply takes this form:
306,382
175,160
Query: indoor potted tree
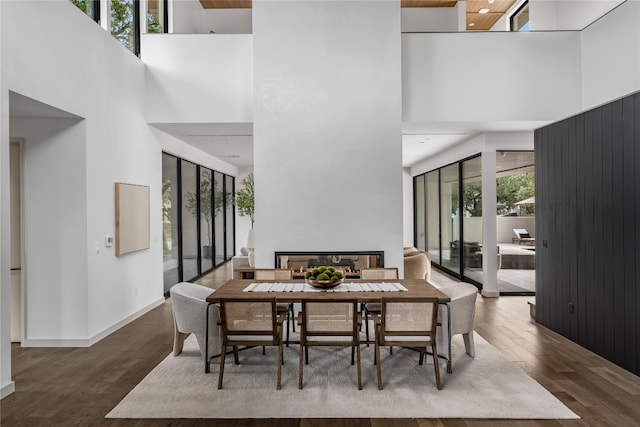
207,208
245,205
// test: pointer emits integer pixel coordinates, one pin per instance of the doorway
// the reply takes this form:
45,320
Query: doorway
17,238
515,226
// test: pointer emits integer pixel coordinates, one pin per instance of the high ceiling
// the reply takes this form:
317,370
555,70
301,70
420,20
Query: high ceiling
492,10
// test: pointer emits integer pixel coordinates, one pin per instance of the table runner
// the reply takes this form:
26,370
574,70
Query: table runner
344,287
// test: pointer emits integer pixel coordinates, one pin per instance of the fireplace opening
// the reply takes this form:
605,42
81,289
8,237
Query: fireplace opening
350,263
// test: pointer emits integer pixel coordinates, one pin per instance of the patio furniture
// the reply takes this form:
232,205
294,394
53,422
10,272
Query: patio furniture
523,237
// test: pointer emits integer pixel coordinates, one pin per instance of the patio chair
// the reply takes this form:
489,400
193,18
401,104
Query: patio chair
407,323
329,323
523,236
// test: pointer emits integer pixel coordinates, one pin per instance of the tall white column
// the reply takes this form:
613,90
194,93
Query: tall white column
327,127
489,224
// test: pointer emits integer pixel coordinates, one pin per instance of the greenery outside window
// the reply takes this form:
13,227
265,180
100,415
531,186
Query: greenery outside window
90,7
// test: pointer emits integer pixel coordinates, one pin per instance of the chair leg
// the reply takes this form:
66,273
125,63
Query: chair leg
359,369
288,324
178,339
235,355
378,365
435,365
366,324
293,318
221,371
279,362
469,344
264,351
300,352
420,361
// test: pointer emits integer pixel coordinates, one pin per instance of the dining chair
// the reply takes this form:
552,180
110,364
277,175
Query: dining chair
250,322
374,307
279,274
329,323
407,322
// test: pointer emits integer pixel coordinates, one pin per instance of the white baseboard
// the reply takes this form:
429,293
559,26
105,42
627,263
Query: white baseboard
82,342
7,389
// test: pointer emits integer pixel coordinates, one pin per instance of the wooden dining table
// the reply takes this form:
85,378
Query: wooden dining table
416,288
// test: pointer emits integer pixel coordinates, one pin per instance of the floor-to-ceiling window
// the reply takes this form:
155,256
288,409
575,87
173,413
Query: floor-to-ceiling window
448,218
229,223
433,215
206,219
219,215
420,236
197,218
170,221
189,181
472,218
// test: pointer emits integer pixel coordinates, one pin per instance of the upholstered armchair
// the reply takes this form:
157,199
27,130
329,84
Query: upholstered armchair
417,265
189,308
463,310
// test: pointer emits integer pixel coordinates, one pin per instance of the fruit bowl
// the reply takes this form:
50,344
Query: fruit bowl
324,277
324,284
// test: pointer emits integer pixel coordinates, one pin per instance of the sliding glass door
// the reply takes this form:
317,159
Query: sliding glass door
198,226
472,219
448,218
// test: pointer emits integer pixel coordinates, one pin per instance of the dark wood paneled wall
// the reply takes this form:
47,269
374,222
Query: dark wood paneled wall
588,230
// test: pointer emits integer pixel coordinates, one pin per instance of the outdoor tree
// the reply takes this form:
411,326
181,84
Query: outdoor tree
473,198
511,189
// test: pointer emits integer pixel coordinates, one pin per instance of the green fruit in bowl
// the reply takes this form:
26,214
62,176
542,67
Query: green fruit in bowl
311,278
337,275
315,272
331,269
323,276
322,269
307,274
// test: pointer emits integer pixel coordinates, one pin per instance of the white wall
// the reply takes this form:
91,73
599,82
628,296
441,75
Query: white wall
429,19
611,56
567,15
198,78
438,85
89,74
55,217
327,128
225,21
486,142
189,17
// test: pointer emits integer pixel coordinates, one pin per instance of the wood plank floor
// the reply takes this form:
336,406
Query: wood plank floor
79,386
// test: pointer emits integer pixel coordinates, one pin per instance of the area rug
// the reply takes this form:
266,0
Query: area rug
487,386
